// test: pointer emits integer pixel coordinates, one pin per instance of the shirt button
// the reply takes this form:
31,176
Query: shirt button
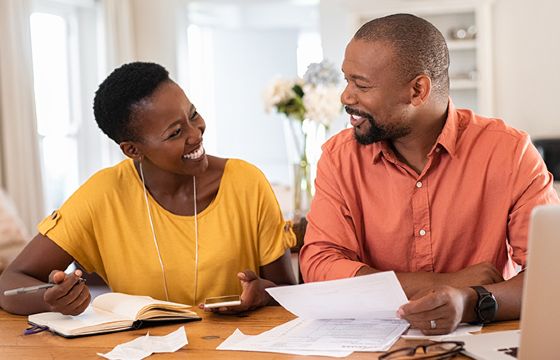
438,149
422,232
419,184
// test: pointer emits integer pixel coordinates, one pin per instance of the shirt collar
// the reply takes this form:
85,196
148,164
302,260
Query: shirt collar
450,132
379,149
446,139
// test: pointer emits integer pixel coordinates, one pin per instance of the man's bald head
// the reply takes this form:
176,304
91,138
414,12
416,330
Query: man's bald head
418,46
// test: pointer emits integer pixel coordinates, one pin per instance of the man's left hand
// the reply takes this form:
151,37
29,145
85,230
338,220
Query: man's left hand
437,311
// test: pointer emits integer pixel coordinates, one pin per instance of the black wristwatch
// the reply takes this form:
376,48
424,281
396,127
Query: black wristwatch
486,307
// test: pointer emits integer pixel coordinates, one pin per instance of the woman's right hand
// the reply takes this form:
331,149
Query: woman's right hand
70,295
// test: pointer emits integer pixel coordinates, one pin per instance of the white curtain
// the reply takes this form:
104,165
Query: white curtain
21,167
117,47
118,33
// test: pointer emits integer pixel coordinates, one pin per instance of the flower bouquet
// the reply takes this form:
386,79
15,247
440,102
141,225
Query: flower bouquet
310,104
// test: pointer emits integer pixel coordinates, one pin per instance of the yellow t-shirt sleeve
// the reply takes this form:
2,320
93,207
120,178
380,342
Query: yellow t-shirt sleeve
71,227
275,235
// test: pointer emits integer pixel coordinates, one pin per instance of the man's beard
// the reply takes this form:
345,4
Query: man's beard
376,131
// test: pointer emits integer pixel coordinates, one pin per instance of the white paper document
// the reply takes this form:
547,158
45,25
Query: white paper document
375,296
323,337
462,329
145,346
335,318
241,342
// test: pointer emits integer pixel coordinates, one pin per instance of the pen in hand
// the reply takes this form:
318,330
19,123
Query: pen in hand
32,289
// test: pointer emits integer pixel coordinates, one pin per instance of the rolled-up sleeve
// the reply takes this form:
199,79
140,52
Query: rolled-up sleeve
331,249
532,185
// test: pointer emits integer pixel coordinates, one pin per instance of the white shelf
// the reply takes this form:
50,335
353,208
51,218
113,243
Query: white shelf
461,44
463,84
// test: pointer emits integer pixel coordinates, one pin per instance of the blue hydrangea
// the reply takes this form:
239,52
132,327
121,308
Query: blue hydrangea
323,73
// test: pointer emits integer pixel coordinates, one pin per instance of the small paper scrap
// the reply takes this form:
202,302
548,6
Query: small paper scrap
145,346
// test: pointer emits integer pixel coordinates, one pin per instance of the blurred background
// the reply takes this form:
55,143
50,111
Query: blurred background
54,53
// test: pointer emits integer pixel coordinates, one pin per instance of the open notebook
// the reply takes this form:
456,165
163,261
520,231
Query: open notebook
112,312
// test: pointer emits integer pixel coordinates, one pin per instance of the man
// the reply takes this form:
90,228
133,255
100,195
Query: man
437,194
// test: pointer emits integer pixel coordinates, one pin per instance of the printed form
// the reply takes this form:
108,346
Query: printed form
335,318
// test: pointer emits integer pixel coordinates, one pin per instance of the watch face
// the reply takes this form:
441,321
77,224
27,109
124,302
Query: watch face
487,308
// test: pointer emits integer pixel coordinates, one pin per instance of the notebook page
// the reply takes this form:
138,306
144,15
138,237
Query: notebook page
122,304
133,306
89,320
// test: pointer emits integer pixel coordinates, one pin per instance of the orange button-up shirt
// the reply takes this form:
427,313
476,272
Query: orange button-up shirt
471,203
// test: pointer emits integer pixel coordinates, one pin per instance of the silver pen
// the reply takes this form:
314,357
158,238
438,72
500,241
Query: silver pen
31,289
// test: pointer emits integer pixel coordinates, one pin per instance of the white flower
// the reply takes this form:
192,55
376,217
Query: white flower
322,103
279,91
315,97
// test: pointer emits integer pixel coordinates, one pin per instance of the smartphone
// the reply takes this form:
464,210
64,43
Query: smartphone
221,301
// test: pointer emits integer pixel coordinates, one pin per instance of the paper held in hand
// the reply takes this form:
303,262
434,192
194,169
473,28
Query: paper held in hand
112,312
335,318
376,296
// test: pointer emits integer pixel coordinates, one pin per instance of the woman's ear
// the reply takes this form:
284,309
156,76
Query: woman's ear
131,150
421,89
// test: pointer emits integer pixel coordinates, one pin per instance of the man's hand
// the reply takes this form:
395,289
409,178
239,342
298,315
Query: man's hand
437,311
478,274
69,296
253,294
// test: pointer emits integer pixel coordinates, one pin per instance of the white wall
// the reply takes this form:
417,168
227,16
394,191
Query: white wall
156,30
526,64
245,62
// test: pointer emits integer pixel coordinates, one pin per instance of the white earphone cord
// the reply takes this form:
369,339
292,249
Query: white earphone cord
154,233
156,243
195,241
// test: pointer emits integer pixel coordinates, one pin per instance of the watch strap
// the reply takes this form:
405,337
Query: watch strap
486,306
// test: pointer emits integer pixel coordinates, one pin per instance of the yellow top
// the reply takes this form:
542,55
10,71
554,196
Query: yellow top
105,227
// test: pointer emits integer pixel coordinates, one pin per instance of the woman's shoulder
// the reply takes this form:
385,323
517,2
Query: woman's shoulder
111,179
241,169
122,171
102,190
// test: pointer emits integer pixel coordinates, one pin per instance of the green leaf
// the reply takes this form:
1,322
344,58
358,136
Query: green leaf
298,90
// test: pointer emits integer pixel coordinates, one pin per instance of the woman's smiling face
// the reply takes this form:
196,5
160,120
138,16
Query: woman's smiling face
170,131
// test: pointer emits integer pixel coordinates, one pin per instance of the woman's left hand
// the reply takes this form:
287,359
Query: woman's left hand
253,294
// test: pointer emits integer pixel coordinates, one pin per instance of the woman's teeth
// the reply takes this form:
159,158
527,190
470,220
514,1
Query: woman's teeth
195,154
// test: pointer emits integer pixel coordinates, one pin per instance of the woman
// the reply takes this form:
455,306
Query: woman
170,221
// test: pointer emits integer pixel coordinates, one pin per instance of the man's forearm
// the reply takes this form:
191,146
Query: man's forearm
508,295
415,282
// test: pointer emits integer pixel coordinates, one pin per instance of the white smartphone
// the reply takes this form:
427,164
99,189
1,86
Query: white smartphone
222,301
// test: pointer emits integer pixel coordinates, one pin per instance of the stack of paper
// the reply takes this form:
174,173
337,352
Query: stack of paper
335,318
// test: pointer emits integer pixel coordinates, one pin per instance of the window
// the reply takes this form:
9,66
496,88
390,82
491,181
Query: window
54,106
57,34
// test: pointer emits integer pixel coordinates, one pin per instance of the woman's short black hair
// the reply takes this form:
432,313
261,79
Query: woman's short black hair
120,91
